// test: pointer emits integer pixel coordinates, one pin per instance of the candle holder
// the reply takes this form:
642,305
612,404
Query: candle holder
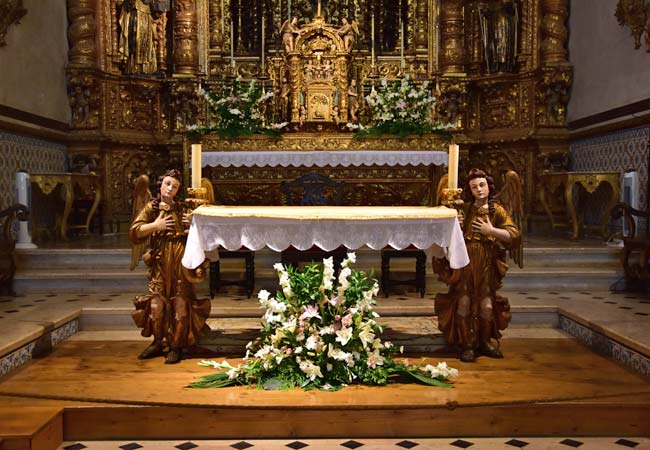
196,197
451,199
373,72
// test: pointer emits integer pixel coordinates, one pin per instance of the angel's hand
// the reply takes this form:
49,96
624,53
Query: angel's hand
163,223
484,227
187,219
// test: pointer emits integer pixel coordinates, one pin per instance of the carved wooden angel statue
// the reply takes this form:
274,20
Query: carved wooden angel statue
170,312
348,31
472,314
289,30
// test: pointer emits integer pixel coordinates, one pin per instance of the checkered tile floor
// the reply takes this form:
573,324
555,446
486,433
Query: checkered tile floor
561,443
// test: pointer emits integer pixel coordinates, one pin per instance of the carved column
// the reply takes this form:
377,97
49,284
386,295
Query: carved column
216,33
81,33
186,50
453,47
421,19
554,31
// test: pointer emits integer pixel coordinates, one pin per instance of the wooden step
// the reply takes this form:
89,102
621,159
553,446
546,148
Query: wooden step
31,428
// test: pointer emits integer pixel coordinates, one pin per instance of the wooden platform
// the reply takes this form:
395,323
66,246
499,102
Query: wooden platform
544,387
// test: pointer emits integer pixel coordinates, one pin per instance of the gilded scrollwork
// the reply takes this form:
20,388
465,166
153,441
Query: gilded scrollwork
553,96
184,104
634,14
84,99
11,11
499,105
452,103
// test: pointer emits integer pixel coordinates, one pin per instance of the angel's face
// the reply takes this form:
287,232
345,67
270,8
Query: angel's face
169,189
479,187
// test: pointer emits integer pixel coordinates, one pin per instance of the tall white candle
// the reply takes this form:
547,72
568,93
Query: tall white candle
262,45
232,43
452,180
401,43
289,11
372,38
196,165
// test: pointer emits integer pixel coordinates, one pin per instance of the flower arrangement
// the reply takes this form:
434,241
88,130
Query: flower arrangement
401,108
320,332
238,110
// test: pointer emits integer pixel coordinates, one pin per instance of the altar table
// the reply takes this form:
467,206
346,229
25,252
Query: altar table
328,227
550,182
47,182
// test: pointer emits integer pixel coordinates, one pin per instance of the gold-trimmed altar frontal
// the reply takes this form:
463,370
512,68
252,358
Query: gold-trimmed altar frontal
312,213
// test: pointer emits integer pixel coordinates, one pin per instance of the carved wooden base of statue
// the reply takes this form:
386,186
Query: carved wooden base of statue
170,311
471,315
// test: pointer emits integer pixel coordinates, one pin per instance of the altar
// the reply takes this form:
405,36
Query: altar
377,171
232,227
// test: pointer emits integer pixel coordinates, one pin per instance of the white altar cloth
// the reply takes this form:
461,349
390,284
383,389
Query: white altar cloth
278,227
343,158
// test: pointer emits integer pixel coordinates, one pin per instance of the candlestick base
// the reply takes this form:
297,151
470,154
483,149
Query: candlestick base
196,197
373,72
451,199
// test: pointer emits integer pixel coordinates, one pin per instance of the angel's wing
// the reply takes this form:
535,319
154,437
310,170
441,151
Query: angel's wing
355,26
442,184
141,196
511,197
207,184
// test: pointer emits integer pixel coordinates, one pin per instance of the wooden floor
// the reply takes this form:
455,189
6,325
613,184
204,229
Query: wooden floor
544,387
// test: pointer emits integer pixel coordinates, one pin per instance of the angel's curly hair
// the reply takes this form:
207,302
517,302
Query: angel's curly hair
174,173
474,173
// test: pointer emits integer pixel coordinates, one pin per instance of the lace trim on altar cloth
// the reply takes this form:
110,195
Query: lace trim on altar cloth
324,158
442,236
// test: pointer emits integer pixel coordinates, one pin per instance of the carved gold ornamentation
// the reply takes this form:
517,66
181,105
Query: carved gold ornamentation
11,11
84,99
634,14
522,114
554,31
451,26
553,96
186,51
184,104
81,33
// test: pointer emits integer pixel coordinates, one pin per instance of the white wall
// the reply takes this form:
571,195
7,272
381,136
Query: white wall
32,64
608,71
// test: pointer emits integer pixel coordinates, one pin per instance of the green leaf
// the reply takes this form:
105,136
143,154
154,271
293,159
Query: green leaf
427,380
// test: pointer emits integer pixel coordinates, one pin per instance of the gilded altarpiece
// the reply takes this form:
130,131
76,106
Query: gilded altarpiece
498,68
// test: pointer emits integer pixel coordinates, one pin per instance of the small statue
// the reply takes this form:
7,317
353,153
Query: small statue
472,314
80,103
170,312
302,114
353,100
348,31
335,114
289,31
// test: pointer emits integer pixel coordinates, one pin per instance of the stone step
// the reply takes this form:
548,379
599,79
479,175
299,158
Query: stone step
572,257
107,270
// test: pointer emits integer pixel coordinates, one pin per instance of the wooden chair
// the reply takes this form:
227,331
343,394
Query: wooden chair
8,245
216,281
313,189
635,257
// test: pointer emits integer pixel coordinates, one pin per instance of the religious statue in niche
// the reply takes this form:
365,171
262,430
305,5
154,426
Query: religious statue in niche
170,312
353,101
499,35
138,34
472,314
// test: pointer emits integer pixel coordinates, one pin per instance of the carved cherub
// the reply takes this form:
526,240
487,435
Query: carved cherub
348,32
